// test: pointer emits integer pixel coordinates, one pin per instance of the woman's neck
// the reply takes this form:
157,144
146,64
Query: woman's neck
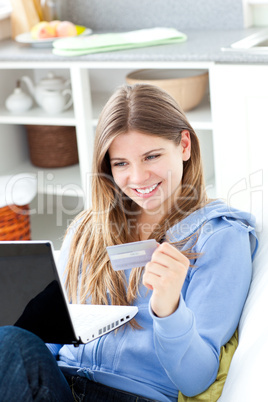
146,224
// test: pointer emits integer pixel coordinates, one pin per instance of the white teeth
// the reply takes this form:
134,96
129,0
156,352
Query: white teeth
147,190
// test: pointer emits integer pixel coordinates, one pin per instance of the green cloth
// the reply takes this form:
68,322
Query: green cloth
213,393
98,43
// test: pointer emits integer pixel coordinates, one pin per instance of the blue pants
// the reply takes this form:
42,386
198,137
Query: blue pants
29,372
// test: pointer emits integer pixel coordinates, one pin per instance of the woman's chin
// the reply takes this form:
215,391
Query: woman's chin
151,207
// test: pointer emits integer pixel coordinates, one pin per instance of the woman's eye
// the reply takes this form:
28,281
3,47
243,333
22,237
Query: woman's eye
150,157
120,164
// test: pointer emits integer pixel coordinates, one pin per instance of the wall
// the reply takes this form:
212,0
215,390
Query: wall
109,15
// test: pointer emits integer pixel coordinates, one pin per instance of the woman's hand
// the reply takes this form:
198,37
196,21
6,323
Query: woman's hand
165,275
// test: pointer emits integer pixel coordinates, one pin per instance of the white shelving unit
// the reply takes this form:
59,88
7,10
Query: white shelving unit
64,181
37,115
92,84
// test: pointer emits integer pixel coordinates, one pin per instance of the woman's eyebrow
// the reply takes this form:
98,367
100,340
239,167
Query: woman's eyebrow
153,150
117,159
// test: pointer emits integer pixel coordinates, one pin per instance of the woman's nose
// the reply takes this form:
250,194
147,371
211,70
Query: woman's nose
139,174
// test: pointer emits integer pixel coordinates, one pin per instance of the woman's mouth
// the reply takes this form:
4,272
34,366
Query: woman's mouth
146,191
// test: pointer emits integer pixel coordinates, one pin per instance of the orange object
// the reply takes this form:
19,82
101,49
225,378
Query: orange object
66,28
15,223
43,30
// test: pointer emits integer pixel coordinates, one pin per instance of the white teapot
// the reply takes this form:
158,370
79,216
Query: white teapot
51,82
55,101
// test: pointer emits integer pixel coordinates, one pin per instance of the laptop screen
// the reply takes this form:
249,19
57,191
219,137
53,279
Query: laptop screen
30,293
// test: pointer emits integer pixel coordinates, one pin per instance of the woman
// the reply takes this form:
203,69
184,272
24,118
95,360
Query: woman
147,182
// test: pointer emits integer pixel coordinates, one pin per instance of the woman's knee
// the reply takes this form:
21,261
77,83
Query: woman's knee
21,348
18,344
9,335
27,368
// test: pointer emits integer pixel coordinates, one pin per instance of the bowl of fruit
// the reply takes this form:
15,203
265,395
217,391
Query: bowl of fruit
44,33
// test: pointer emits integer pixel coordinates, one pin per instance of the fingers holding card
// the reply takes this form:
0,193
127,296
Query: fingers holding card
165,275
165,270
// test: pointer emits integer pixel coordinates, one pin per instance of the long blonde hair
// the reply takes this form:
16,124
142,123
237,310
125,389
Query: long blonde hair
149,110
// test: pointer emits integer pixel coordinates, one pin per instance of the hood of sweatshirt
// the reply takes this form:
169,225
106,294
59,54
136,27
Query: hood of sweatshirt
194,222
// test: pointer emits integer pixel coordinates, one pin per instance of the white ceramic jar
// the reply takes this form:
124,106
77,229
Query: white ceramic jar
18,101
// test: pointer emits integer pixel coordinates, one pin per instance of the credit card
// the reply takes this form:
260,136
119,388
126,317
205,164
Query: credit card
131,255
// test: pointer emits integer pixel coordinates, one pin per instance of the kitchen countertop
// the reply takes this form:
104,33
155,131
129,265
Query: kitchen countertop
201,46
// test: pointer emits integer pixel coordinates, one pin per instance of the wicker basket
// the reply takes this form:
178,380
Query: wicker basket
15,223
187,87
52,146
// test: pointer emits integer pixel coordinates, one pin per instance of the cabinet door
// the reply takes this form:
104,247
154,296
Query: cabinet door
239,97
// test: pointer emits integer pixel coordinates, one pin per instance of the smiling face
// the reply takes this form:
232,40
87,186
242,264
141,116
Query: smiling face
149,168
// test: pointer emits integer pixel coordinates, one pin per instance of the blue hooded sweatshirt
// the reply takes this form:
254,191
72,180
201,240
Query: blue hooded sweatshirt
179,352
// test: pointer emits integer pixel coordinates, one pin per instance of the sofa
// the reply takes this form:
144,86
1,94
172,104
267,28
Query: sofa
247,377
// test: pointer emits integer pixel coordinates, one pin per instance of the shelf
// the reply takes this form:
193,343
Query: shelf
64,181
38,116
200,117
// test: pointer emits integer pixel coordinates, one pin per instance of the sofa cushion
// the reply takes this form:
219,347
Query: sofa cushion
247,377
213,393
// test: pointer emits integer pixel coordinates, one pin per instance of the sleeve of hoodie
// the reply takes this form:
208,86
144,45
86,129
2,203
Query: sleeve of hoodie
188,342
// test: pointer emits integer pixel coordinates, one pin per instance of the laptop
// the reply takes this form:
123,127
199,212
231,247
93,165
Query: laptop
33,297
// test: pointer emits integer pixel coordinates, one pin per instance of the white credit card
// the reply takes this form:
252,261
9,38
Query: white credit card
131,255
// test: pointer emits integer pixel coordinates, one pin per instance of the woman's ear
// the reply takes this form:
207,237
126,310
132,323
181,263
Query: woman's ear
186,145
